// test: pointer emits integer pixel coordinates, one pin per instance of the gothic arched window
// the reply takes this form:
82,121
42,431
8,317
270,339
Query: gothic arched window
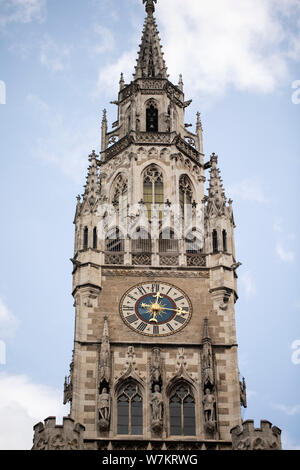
215,241
85,238
194,242
141,241
114,241
120,196
224,235
95,238
151,118
167,241
185,192
182,412
153,188
130,410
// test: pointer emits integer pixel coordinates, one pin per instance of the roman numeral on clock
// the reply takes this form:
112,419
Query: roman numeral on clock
179,298
155,330
131,297
155,287
142,326
127,307
142,290
179,319
132,318
170,327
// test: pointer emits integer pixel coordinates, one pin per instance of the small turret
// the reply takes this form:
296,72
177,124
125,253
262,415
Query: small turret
247,437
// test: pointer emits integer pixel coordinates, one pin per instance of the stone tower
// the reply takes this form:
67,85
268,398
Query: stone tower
155,361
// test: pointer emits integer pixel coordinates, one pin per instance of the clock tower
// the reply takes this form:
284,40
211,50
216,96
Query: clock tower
155,360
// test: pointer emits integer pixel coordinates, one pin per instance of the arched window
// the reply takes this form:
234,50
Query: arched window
114,241
130,410
224,235
120,196
151,118
141,241
182,412
167,242
95,238
185,192
194,242
85,238
215,241
153,188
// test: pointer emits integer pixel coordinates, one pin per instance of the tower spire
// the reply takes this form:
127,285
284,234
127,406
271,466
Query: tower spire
216,195
92,187
150,61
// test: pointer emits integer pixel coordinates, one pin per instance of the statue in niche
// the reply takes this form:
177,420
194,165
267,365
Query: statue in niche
155,369
104,409
156,403
207,364
209,406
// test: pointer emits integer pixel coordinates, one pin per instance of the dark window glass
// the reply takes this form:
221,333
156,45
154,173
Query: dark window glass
182,412
224,240
175,417
123,415
130,411
151,119
95,241
85,238
215,241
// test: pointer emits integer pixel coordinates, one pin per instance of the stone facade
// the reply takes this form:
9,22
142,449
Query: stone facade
150,146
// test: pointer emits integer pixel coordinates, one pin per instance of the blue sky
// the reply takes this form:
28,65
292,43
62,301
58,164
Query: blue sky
60,61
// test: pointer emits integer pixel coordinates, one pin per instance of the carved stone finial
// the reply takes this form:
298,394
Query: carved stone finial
150,8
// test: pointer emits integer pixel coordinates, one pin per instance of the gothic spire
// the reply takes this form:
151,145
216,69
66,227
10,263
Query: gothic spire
150,61
92,187
216,195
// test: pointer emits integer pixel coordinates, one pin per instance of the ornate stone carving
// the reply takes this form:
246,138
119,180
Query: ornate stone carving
156,404
168,260
68,385
195,260
104,402
114,258
209,404
246,437
243,393
156,274
105,358
143,259
156,366
50,436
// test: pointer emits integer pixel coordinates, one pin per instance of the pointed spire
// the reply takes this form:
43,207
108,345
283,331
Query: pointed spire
180,82
92,187
206,336
216,195
150,61
103,131
122,83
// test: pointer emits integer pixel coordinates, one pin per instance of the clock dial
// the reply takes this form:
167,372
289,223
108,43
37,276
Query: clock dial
155,309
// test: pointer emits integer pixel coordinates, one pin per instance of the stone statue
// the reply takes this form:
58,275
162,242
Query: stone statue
104,408
208,406
155,368
207,365
156,404
243,393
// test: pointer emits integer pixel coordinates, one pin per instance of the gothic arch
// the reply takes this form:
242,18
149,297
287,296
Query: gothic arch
181,397
119,190
129,398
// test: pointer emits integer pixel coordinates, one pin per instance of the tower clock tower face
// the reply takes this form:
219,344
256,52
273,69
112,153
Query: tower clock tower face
155,309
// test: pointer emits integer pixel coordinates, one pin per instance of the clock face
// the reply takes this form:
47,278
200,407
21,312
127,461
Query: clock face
155,309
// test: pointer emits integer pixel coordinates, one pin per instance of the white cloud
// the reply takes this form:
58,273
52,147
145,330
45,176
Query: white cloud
248,284
22,405
249,189
223,43
109,76
105,41
21,11
8,322
288,410
65,141
285,255
54,56
229,43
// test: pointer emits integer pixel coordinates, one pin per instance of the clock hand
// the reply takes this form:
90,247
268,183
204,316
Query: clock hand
179,310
